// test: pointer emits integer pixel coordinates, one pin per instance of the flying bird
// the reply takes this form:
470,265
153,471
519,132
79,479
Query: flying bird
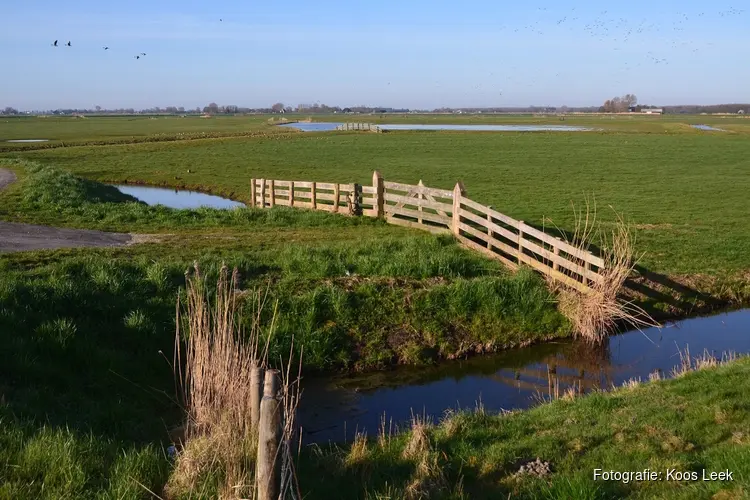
68,44
105,48
137,57
143,53
55,44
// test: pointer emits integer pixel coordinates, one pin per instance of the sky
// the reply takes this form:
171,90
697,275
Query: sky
419,54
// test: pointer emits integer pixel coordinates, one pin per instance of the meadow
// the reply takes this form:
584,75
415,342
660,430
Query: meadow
683,189
88,389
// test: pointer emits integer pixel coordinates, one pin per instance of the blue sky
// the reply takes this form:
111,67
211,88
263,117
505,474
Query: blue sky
415,53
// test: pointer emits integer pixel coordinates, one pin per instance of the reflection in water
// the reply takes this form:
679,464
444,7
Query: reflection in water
334,408
330,126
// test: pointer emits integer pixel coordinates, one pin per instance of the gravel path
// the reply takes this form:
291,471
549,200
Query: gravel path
15,237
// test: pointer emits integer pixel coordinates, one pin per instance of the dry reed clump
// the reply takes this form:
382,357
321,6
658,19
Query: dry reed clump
359,451
214,386
419,440
705,360
385,432
428,477
595,314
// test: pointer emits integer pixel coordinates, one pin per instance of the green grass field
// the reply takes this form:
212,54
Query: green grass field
684,189
86,399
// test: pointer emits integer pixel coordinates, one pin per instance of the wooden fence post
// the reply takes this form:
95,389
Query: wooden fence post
267,470
357,199
272,187
379,188
458,191
336,197
313,196
256,393
520,240
252,192
587,268
291,193
556,250
489,231
419,202
262,193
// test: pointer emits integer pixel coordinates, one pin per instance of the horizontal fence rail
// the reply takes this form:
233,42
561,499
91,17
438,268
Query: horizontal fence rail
476,226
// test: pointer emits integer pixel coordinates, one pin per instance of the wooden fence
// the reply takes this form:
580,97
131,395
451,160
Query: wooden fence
475,225
370,127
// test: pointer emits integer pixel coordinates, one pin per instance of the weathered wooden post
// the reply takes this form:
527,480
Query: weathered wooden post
291,193
458,191
586,270
256,392
267,475
378,185
556,251
419,198
357,199
272,187
336,197
520,240
262,193
313,196
489,231
252,192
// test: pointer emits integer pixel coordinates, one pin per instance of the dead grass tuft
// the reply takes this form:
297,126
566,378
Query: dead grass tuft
705,360
419,439
428,478
358,452
385,432
595,313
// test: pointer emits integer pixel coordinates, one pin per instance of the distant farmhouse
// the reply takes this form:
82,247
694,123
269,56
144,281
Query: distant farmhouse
644,110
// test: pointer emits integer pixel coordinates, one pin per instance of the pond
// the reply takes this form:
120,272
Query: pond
324,127
708,127
333,409
27,140
177,198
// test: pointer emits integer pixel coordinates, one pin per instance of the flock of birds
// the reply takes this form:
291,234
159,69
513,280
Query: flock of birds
643,41
138,56
605,27
56,44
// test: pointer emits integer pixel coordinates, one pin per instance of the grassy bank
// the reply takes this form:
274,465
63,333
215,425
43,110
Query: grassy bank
695,422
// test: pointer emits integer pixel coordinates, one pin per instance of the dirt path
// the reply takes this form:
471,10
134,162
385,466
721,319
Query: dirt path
6,178
15,237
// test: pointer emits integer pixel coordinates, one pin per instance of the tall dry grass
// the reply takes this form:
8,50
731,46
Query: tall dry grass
214,358
596,313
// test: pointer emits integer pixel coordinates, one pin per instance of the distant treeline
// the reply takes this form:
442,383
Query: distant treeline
278,108
714,108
